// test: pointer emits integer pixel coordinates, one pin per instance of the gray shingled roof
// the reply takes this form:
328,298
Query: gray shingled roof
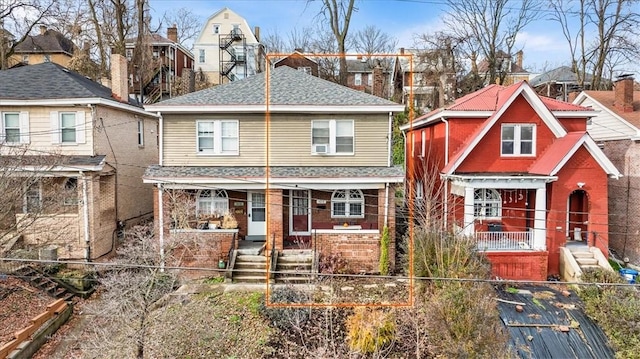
52,160
562,74
287,87
159,172
51,41
49,81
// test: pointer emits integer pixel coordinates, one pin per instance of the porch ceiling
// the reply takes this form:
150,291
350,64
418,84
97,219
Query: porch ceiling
276,174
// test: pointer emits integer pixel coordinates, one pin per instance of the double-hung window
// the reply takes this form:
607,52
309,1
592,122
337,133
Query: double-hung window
33,197
140,132
218,137
332,137
68,127
11,127
347,203
201,56
357,79
518,140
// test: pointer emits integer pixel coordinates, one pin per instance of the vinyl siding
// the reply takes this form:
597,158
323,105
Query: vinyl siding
290,141
604,126
40,131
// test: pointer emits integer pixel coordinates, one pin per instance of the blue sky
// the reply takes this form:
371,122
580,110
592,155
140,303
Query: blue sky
542,42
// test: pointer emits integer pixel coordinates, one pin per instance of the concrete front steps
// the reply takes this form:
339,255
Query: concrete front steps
294,266
291,266
575,259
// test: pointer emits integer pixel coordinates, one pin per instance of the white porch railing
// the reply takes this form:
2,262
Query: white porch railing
496,241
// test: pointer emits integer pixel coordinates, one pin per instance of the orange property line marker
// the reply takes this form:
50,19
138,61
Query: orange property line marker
410,300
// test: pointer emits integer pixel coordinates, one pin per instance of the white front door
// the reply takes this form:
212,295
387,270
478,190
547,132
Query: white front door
256,214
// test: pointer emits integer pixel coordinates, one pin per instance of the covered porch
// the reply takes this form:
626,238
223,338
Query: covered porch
501,212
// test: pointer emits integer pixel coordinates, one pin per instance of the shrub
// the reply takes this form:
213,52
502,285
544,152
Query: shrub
286,318
370,330
333,263
615,308
384,252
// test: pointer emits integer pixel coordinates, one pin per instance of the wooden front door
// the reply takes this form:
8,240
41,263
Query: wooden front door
300,212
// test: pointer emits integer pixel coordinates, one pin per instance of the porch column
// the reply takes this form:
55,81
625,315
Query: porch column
275,224
468,228
540,222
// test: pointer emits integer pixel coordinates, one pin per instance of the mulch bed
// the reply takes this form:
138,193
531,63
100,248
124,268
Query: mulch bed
19,302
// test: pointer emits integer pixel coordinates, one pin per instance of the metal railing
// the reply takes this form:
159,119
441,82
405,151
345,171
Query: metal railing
491,241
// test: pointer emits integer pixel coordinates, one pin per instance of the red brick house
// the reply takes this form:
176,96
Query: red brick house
519,174
299,61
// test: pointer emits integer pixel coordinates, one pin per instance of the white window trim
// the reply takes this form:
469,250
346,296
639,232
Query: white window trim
332,138
202,56
357,80
56,127
370,79
347,201
516,140
23,127
217,139
424,143
484,203
140,136
217,196
216,29
413,144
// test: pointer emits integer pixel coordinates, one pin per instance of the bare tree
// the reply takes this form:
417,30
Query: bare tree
187,22
615,24
324,43
492,26
18,18
337,13
372,40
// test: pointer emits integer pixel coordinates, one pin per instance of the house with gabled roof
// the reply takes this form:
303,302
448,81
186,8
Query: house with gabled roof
299,61
560,82
301,163
516,172
616,128
48,46
81,148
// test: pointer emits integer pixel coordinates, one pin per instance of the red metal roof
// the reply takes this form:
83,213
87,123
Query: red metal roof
555,153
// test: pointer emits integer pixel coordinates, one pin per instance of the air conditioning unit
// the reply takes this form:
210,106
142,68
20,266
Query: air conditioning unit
321,149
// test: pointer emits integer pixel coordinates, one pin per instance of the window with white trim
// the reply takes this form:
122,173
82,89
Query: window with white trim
305,69
216,28
212,203
201,55
32,198
347,203
369,79
487,203
11,127
332,137
25,59
140,132
219,137
68,128
424,143
358,79
46,58
518,140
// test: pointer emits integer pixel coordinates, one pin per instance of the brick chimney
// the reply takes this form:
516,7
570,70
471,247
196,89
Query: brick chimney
519,56
572,96
377,88
624,94
402,51
43,29
172,33
119,82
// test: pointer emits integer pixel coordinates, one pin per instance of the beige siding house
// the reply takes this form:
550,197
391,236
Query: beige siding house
80,153
227,49
306,167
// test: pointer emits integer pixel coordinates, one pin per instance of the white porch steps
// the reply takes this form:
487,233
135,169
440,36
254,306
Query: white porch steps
575,258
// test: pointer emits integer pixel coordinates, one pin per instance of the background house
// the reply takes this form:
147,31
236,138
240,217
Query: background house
227,50
616,128
520,174
48,46
168,60
297,60
559,83
83,150
372,76
314,173
511,69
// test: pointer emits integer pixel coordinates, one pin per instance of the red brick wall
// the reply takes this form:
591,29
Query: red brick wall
361,251
321,214
519,265
200,250
275,226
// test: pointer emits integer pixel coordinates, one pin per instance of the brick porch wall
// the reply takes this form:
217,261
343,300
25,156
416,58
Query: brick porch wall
200,249
362,251
519,265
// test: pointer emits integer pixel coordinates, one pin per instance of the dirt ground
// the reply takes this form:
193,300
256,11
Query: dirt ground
19,302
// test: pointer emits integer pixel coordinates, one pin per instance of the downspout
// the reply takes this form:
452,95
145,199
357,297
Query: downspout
85,207
386,185
160,142
446,182
390,142
161,226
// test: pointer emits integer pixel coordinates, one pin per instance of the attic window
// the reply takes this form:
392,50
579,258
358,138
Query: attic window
518,140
